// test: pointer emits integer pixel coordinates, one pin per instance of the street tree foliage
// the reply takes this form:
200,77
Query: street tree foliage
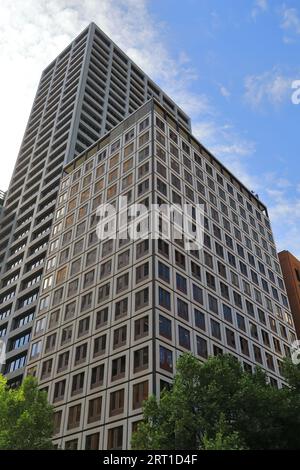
26,418
216,405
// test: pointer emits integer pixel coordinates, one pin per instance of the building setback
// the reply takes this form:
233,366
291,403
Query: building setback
290,266
114,315
84,93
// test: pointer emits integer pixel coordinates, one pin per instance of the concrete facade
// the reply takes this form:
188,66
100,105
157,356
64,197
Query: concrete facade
114,315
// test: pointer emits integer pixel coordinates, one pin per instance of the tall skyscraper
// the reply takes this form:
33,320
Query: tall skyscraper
84,93
290,266
114,314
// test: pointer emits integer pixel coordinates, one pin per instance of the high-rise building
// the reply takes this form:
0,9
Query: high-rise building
114,314
84,93
290,266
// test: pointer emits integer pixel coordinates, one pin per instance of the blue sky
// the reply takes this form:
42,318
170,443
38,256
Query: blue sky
245,56
230,64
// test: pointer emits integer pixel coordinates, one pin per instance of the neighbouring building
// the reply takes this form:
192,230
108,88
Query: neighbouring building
290,266
85,92
114,315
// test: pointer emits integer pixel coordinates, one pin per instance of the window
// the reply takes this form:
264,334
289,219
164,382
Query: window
46,369
119,337
184,337
123,259
86,301
35,349
164,298
92,441
141,328
140,359
181,283
74,416
230,338
196,270
165,327
83,327
115,438
140,393
227,313
118,368
241,322
57,421
142,248
202,347
116,402
97,376
50,342
197,294
142,299
77,384
103,292
121,308
94,410
142,272
99,346
73,287
88,279
210,281
215,329
122,282
163,248
244,346
80,354
183,309
180,259
165,359
199,319
63,361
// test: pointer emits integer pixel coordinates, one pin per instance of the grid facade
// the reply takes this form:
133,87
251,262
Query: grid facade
84,93
114,315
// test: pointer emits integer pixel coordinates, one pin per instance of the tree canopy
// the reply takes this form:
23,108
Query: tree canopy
26,418
218,405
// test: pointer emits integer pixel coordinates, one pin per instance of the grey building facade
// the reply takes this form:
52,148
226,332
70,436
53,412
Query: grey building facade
86,91
114,314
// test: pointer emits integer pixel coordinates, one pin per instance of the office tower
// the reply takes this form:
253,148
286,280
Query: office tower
114,315
290,266
84,93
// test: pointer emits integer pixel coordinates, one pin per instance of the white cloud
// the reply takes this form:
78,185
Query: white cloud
283,203
260,6
271,87
290,19
224,91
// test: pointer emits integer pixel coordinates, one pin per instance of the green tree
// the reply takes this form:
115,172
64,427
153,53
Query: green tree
26,418
218,405
224,439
